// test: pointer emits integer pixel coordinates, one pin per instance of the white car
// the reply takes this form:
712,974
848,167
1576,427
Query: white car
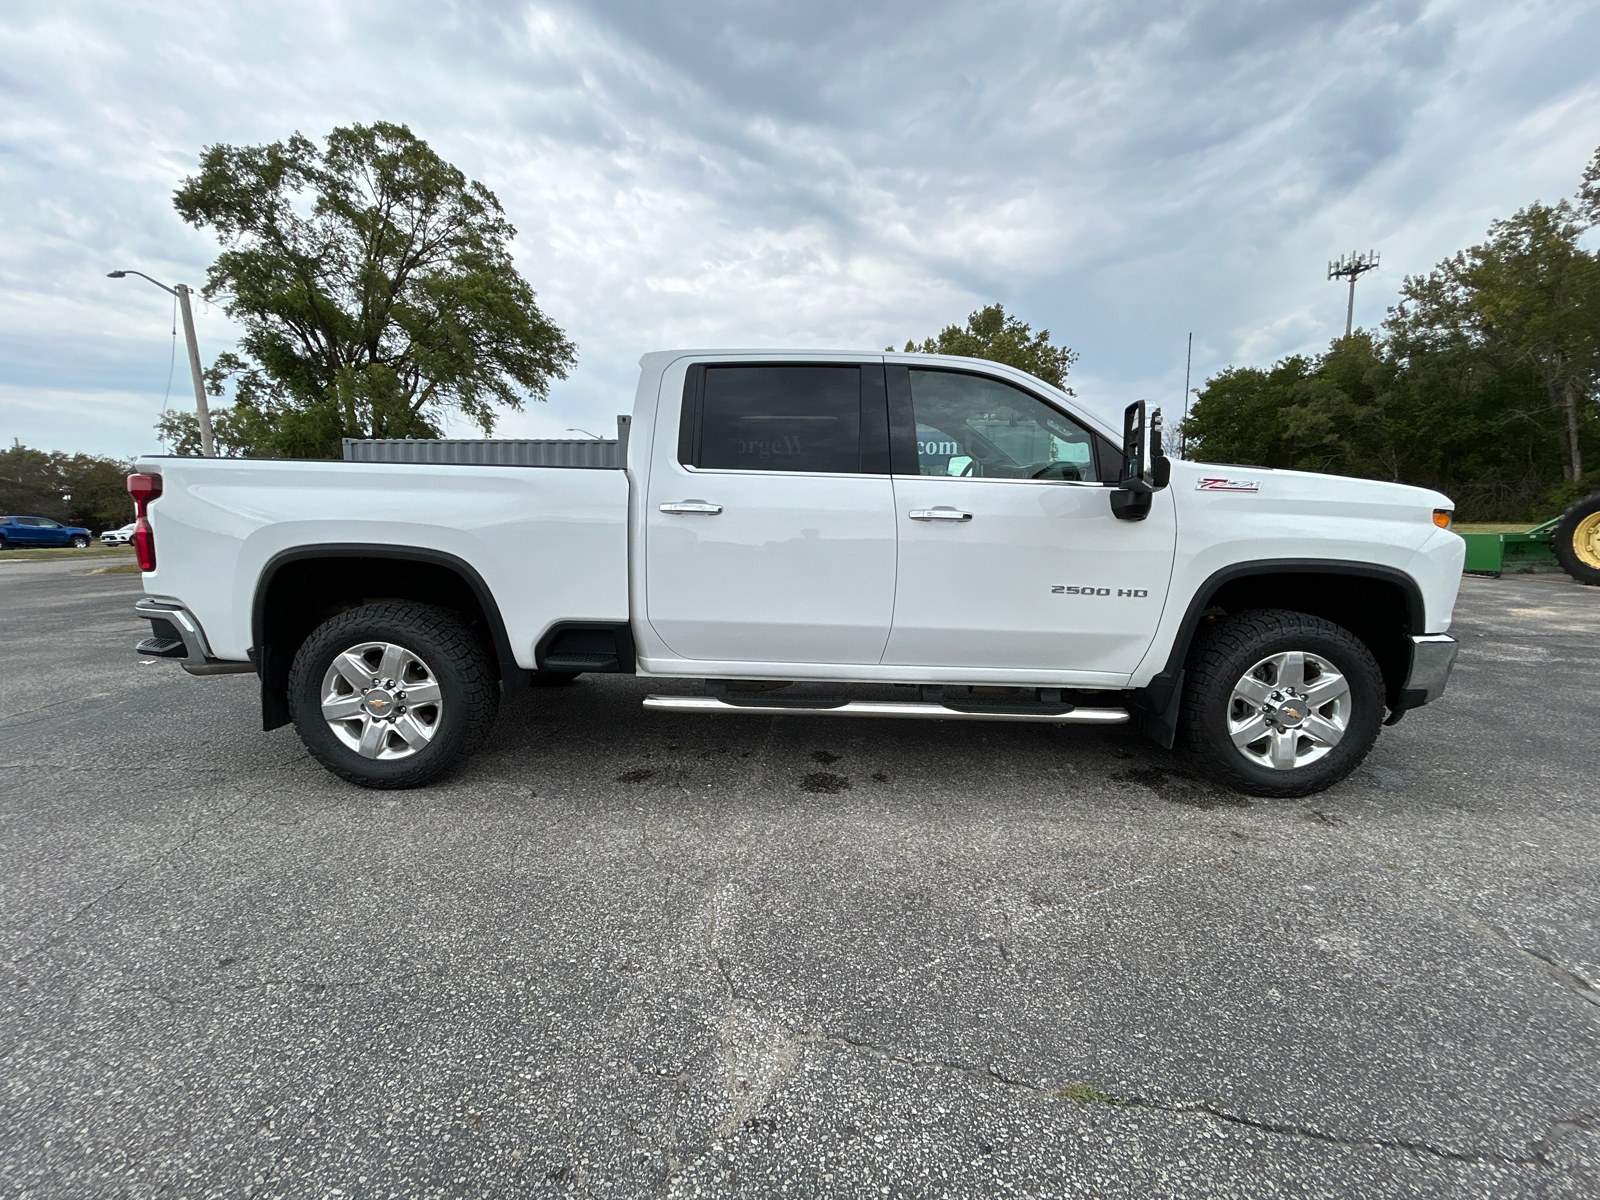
118,537
791,527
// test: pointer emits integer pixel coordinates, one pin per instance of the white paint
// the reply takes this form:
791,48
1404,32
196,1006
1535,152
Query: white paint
801,576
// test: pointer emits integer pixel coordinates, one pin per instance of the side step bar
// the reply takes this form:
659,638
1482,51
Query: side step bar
887,708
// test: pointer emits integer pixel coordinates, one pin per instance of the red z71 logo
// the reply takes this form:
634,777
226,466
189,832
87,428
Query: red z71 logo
1217,484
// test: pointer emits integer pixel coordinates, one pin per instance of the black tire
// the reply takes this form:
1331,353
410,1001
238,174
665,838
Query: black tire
3,544
1226,650
1576,541
459,662
79,542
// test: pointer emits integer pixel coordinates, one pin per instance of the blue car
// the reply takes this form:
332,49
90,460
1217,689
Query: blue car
17,532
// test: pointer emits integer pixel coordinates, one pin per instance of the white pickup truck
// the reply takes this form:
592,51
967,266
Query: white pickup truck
836,534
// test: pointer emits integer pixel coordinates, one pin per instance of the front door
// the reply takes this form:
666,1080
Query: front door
770,526
1009,555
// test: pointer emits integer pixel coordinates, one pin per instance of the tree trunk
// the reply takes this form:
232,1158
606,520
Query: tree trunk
1570,403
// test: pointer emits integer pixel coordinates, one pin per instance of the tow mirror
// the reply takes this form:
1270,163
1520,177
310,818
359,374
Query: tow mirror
1131,499
1160,464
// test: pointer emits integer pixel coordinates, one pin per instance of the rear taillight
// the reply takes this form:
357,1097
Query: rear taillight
143,489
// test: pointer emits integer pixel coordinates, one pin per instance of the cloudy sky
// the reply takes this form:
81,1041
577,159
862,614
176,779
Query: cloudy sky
798,173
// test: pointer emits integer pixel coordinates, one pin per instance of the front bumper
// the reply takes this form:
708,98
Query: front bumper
1432,656
175,633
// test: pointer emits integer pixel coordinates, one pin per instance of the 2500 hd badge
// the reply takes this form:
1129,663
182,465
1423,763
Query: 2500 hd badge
1135,593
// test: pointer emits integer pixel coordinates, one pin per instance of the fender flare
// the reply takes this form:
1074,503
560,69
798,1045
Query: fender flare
274,711
1159,700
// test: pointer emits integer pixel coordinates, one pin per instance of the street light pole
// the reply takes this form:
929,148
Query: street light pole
208,445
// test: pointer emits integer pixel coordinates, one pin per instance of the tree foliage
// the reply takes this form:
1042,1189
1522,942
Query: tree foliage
990,334
75,489
1482,383
376,292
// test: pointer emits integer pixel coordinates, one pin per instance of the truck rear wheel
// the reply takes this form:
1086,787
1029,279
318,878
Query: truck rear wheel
392,695
1576,541
1279,703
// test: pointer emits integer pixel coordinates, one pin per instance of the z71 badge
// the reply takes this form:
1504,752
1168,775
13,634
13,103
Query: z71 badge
1215,484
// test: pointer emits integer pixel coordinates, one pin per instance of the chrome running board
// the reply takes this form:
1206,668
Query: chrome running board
886,708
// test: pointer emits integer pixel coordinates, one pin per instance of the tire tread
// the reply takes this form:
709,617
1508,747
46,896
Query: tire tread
1210,674
465,654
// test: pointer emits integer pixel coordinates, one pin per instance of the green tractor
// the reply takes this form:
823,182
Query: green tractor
1570,541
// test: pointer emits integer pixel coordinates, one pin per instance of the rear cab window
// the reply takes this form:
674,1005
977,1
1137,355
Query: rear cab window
787,417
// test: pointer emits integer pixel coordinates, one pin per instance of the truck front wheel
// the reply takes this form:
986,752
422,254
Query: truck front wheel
392,695
1279,703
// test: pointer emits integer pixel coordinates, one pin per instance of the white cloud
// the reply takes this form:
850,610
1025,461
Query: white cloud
820,174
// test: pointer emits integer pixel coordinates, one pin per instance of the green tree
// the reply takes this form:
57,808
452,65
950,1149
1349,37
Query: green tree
76,489
1482,383
990,334
1527,298
376,291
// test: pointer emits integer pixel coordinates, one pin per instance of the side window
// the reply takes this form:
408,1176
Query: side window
781,419
30,522
973,427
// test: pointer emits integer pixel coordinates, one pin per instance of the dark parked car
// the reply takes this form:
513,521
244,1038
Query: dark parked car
16,532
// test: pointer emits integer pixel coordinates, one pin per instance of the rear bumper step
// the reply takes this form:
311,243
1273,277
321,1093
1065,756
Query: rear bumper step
176,633
892,708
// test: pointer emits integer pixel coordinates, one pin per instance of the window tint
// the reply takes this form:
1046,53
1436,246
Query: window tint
30,522
980,428
781,419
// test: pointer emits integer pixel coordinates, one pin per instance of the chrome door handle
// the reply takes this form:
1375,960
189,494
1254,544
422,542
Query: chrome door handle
943,513
699,507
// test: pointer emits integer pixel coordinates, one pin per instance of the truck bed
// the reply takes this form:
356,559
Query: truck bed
550,544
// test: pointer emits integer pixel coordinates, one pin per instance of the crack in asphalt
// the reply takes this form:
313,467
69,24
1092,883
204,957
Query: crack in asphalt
1569,979
797,1042
160,859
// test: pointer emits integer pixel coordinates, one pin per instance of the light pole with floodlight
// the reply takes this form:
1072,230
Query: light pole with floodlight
208,446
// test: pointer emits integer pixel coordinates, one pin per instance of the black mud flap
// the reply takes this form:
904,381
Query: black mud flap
273,667
1155,709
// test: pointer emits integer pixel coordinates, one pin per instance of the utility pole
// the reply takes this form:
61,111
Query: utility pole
1183,435
1352,267
208,445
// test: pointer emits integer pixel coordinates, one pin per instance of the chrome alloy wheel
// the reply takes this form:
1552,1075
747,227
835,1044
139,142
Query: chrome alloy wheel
381,700
1289,710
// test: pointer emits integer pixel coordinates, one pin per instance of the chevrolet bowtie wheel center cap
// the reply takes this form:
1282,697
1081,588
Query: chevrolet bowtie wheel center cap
1288,710
381,700
380,703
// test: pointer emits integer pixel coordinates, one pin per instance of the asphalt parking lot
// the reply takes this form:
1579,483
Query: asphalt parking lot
636,954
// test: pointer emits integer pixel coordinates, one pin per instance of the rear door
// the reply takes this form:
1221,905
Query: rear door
1009,555
770,531
27,531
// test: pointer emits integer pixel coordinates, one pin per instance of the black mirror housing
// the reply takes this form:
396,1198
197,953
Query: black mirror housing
1131,499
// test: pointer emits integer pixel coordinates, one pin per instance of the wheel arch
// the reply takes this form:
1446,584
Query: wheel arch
1381,605
285,608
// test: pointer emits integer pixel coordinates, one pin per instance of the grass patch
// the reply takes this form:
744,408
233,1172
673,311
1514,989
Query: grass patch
1082,1093
120,569
93,550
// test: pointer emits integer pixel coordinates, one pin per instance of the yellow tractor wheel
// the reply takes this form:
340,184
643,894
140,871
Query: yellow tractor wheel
1576,540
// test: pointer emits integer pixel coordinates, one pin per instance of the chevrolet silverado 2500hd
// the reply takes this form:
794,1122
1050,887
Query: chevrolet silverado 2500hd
803,531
